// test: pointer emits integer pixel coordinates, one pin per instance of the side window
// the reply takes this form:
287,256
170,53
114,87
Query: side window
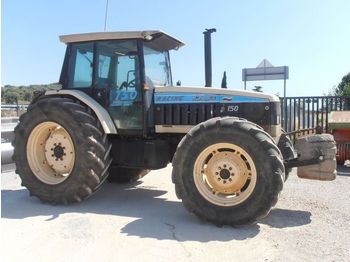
126,72
82,64
103,79
157,67
104,64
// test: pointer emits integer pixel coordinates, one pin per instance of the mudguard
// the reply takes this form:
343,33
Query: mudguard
101,113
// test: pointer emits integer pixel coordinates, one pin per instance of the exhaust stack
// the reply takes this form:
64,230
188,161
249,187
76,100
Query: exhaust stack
207,56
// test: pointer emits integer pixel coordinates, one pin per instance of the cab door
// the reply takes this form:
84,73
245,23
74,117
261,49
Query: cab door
118,83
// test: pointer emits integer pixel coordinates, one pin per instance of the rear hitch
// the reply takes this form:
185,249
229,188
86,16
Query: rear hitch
296,162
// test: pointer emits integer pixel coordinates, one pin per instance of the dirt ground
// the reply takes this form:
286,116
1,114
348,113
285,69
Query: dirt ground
145,221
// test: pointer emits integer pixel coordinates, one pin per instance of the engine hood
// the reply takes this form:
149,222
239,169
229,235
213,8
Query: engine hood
183,94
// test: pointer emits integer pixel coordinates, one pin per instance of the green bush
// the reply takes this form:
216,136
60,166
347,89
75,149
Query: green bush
23,94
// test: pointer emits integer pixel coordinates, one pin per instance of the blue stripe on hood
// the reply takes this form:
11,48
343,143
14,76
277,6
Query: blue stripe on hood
186,98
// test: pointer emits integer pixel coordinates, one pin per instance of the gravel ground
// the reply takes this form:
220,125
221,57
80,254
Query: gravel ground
145,221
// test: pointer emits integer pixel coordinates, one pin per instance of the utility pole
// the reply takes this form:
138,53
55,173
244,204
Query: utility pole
106,14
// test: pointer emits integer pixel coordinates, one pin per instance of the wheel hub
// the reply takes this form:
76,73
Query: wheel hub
224,174
50,153
59,151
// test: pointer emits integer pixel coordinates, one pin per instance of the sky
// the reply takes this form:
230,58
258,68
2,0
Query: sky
311,37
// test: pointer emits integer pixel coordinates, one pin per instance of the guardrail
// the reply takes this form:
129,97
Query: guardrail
7,135
13,110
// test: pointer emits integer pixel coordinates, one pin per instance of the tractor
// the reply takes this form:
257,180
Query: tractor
118,116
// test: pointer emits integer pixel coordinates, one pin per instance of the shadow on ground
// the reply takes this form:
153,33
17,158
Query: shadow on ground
156,217
343,170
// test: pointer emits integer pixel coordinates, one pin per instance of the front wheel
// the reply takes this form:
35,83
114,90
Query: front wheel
228,171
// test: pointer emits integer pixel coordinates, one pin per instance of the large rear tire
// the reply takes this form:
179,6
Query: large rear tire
60,150
228,171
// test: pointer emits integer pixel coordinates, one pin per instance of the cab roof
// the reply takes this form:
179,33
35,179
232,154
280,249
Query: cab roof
159,39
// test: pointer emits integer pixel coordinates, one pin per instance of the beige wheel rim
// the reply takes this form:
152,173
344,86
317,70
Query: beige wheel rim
50,153
225,174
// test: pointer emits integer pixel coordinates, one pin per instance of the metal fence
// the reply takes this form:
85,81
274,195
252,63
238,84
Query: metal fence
12,110
300,113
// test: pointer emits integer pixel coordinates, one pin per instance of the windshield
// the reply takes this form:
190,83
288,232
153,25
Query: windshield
157,67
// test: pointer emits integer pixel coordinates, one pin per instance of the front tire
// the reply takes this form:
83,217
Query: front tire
60,151
287,150
227,171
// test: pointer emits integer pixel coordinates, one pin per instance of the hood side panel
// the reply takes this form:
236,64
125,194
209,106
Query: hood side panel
215,91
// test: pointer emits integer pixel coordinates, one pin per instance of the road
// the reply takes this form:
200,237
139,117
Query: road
145,221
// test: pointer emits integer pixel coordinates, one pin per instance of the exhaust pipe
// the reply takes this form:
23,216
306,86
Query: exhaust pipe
207,56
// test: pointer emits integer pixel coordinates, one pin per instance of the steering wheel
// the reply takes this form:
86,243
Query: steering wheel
126,84
132,83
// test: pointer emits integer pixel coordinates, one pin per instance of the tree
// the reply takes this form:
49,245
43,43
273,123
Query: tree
24,94
343,89
224,81
27,96
11,97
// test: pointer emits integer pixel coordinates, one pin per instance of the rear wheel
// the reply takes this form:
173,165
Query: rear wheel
60,151
50,153
228,171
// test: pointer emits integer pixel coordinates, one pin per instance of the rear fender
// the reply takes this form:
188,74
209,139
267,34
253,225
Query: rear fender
101,113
